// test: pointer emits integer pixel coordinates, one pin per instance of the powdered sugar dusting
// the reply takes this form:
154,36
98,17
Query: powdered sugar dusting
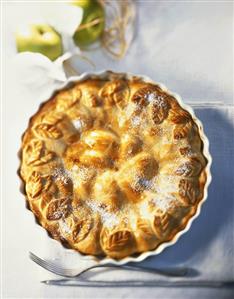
161,184
125,115
77,173
78,124
140,120
82,172
64,228
167,137
160,102
138,115
184,169
140,183
150,97
61,174
144,209
189,151
163,202
153,98
108,219
164,184
136,121
129,110
161,193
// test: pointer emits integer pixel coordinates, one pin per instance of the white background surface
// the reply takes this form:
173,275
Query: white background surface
186,45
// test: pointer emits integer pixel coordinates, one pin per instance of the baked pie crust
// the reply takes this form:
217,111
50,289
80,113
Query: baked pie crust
113,166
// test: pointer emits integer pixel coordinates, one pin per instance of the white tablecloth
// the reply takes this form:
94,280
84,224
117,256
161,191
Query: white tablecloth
187,46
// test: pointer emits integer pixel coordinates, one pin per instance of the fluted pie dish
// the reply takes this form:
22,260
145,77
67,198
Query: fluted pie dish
114,165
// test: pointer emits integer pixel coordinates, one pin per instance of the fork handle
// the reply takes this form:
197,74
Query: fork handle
141,283
166,271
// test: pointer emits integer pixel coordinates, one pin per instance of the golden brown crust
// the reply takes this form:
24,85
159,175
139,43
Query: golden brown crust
113,167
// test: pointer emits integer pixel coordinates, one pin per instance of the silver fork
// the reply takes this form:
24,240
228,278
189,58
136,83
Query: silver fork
65,272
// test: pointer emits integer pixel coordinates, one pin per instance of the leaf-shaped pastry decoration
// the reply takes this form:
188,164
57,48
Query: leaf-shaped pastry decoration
44,159
76,94
185,151
48,131
122,93
53,118
45,199
35,145
145,95
145,228
155,131
179,116
58,208
188,191
161,224
64,187
160,110
67,99
82,230
118,240
190,168
34,150
116,91
90,99
47,182
182,131
34,184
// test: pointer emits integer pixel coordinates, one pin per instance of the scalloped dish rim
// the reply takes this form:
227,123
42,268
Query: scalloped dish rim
104,74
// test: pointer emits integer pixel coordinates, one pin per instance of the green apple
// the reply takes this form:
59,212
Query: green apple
85,4
40,38
92,10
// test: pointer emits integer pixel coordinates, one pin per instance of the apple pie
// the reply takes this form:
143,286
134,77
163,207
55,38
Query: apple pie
113,166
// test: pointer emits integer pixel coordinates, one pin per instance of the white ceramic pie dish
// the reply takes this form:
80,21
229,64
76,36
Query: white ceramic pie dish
140,257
